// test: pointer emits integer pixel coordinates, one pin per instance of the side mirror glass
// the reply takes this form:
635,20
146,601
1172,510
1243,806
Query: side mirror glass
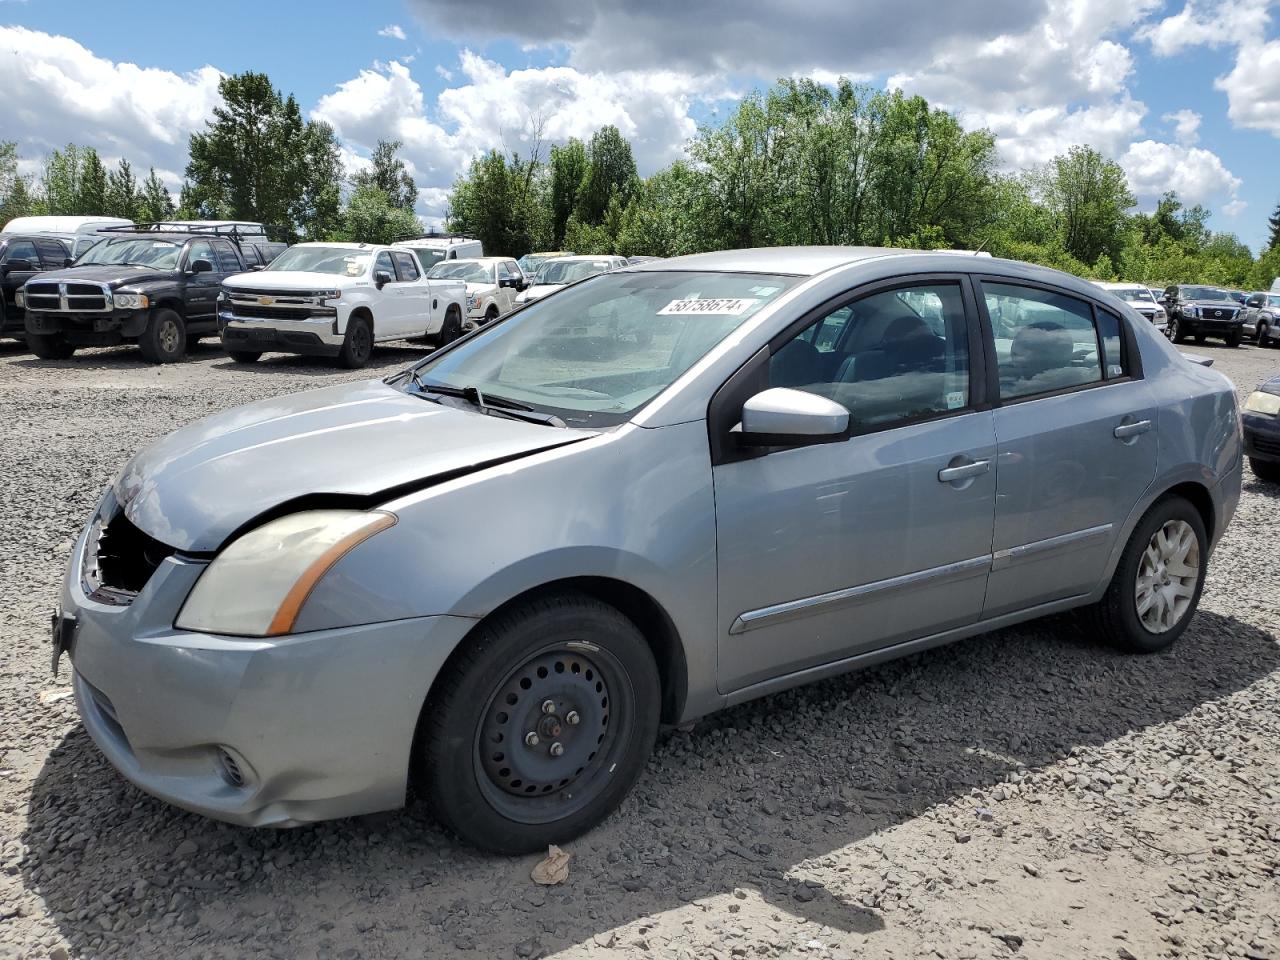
381,278
17,265
781,416
201,265
67,262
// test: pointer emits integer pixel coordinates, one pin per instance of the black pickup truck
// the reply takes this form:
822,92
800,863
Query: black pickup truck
1199,311
22,256
151,284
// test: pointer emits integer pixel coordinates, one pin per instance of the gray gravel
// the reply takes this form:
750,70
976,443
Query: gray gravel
1024,792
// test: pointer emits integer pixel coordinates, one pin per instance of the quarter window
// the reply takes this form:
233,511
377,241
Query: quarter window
1112,348
891,357
1044,341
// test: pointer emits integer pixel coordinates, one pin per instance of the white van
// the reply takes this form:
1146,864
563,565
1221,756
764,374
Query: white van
79,233
433,248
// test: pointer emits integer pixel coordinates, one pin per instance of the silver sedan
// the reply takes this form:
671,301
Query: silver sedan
654,494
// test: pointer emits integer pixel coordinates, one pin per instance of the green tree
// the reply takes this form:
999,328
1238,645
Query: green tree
154,202
371,218
611,170
91,199
568,169
1274,223
388,173
122,196
1088,196
319,209
16,199
259,160
60,180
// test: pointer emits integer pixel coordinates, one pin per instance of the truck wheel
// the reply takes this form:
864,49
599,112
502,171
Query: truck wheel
1175,331
1157,584
165,339
1264,335
1265,470
1233,339
244,356
50,346
540,725
357,348
451,329
491,314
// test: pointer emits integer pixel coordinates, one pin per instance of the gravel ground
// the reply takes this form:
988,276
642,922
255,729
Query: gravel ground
1024,792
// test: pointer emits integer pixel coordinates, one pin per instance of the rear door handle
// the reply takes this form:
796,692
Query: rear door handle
964,471
1127,430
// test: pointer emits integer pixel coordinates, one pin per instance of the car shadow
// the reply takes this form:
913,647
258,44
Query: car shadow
739,807
394,355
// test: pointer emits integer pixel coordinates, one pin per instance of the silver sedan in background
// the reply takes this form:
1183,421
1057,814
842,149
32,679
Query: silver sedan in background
654,494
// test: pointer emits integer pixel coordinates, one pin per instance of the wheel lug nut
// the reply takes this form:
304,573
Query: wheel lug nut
557,749
548,706
572,718
530,739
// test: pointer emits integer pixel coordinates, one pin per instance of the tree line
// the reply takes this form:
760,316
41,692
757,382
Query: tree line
799,163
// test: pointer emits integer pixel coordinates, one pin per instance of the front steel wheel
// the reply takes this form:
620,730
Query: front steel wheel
539,725
1168,575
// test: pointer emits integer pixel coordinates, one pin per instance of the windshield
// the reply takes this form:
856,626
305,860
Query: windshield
342,261
1204,293
594,354
1134,294
571,271
1273,300
135,251
461,270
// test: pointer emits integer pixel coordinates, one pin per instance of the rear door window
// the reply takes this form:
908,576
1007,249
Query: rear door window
53,254
1044,341
227,262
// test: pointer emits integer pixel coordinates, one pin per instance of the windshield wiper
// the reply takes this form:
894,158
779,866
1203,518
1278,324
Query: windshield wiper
484,402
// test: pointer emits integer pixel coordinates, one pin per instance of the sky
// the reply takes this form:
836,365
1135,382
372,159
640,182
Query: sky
1185,95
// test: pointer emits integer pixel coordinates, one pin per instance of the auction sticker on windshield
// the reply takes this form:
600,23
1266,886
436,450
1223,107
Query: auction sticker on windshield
722,306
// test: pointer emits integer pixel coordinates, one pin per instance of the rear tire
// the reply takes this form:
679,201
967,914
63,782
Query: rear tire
49,346
1265,470
1264,335
451,329
1156,587
357,346
495,759
244,356
165,338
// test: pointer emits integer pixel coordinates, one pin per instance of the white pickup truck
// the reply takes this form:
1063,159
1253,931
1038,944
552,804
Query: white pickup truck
336,300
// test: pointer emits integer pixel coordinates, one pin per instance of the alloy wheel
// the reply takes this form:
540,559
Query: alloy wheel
168,336
1167,576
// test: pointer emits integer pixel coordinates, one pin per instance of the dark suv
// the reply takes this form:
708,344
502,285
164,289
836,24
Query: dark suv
1200,312
22,256
151,284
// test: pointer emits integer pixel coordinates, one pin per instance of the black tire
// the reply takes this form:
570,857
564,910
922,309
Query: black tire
491,314
582,656
165,338
1115,617
451,329
1176,333
1233,339
357,347
1263,335
244,356
49,346
1265,470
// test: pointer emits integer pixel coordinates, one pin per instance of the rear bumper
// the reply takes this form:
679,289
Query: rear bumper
1261,436
319,724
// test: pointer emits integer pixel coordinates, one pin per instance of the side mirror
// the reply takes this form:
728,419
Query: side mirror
201,265
781,416
509,282
254,268
17,265
67,262
381,279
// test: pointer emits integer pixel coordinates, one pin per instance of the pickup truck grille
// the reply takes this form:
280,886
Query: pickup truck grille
1218,313
53,296
276,305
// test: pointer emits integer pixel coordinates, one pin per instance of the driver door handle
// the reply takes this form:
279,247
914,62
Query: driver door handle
964,471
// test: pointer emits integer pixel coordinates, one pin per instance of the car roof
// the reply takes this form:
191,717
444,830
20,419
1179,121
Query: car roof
444,263
795,261
344,245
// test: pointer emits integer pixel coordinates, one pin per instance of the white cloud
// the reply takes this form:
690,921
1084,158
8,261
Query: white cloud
1197,175
498,108
394,31
443,72
1214,24
60,92
1234,208
1186,125
1253,87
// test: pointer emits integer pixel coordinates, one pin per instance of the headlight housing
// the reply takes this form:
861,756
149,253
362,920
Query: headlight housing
20,298
257,585
131,301
1260,402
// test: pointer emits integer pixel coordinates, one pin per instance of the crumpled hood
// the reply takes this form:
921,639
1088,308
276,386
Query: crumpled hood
204,482
114,274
